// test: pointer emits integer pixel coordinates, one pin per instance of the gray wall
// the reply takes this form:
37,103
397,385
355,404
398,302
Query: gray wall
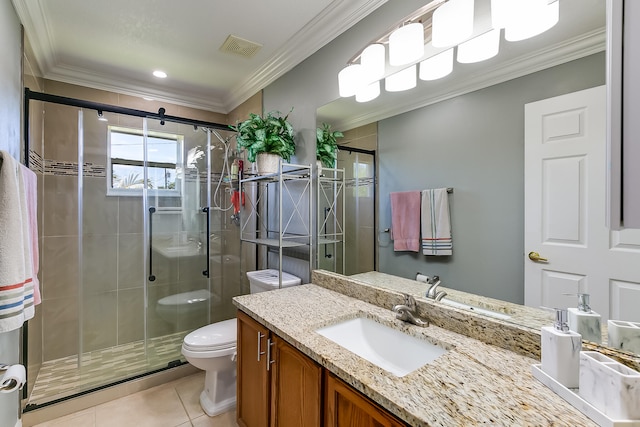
475,144
10,107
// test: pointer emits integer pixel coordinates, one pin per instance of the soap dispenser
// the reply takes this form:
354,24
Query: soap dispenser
585,321
560,348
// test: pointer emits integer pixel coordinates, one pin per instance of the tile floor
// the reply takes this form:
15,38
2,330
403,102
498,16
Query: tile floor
62,377
174,404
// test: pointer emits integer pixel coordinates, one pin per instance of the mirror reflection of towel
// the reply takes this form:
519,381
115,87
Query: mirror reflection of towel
436,223
405,221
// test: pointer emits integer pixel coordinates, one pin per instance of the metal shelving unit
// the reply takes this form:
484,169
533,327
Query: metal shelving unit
331,225
277,214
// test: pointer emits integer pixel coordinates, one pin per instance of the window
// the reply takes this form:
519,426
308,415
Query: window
125,173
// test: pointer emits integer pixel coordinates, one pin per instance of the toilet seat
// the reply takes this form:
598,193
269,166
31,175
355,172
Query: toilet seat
215,337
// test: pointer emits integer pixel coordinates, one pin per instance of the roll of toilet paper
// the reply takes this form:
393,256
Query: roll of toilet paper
13,379
422,278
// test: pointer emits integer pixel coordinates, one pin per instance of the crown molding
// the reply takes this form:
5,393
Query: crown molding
333,21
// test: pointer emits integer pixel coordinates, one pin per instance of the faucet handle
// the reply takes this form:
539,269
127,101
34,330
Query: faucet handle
409,301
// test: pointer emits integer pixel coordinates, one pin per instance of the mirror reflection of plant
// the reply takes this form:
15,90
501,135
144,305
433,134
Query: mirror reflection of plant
327,145
272,134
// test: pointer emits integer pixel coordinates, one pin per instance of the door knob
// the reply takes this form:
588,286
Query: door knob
535,256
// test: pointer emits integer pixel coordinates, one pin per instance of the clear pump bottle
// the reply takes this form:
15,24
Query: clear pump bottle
560,348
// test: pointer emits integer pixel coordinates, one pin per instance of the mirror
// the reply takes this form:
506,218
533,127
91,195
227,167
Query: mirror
471,123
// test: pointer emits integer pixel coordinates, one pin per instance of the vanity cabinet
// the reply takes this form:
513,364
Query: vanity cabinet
277,385
346,407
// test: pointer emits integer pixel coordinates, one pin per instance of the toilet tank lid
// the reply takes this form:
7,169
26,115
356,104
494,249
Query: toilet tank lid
214,335
271,276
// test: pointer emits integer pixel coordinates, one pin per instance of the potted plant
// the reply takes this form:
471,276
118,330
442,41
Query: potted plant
266,140
327,146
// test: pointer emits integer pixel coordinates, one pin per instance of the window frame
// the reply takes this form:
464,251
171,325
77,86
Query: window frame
179,165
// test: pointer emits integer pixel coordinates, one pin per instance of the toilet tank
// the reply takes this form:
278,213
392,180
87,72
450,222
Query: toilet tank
267,280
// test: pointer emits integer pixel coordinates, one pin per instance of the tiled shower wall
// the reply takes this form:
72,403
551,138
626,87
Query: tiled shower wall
111,303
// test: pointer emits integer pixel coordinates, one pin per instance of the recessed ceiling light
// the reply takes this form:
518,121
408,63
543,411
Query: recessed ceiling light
160,74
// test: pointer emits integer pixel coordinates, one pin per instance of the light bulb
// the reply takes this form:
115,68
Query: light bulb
437,66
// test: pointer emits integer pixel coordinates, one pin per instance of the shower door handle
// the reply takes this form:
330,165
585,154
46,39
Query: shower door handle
151,212
205,272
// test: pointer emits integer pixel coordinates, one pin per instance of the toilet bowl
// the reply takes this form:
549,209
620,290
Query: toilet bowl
186,306
212,348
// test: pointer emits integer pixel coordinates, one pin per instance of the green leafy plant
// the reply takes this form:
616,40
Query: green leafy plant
271,134
327,145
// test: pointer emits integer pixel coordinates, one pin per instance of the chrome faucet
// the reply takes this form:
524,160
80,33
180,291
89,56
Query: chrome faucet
433,292
407,312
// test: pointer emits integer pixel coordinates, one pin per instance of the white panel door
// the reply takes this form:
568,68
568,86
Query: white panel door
565,211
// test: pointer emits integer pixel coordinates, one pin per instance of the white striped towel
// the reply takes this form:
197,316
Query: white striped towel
16,282
436,223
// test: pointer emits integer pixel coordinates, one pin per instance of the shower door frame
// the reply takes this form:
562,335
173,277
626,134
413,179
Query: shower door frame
99,108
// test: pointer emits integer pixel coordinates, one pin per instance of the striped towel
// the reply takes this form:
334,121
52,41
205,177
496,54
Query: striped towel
16,280
436,223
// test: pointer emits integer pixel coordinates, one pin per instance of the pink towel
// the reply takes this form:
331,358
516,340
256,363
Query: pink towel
405,221
31,193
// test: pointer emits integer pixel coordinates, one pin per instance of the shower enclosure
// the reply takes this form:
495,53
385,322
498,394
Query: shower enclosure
359,213
138,246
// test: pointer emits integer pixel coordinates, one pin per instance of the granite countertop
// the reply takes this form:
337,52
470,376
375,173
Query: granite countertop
473,383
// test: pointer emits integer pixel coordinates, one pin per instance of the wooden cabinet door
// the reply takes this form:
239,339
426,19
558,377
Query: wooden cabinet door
346,407
253,377
296,383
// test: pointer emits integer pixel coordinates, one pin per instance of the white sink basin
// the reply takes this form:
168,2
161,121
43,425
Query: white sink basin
388,348
475,309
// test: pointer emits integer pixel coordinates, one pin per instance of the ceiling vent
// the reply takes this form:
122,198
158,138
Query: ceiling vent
240,46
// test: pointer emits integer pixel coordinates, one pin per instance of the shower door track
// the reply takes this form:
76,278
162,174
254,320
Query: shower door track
73,102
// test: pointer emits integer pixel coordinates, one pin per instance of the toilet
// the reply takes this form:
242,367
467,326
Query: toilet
212,348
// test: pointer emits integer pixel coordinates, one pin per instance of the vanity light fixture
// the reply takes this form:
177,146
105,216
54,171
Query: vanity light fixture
530,18
369,92
452,23
402,80
406,44
160,74
438,66
479,48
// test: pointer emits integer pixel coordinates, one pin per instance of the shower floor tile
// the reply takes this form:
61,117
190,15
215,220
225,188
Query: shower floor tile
63,377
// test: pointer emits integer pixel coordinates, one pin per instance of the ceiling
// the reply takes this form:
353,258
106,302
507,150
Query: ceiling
115,45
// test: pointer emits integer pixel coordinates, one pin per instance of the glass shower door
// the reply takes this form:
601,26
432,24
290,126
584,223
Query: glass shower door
177,186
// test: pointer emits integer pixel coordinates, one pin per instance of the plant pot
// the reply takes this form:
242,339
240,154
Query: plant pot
267,163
